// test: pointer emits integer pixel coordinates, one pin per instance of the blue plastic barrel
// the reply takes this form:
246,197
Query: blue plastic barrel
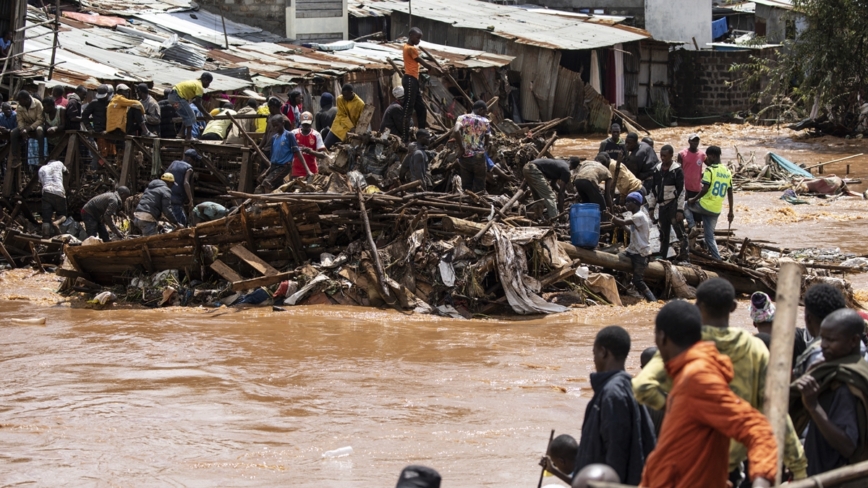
585,225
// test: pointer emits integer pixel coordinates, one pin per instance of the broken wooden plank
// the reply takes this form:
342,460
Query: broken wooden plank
293,239
225,271
261,281
6,255
253,260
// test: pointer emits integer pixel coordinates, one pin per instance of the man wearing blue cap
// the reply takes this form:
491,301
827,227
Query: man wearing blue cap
639,249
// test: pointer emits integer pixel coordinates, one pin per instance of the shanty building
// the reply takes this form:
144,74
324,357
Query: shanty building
556,54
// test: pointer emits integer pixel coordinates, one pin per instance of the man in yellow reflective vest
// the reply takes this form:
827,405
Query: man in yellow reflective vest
716,185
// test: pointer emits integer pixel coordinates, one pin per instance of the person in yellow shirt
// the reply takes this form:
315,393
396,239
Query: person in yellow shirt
185,93
126,115
350,108
262,122
716,185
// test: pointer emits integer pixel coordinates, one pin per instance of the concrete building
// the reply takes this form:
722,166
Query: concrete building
305,21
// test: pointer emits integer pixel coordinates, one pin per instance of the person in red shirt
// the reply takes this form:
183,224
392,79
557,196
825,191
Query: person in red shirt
59,99
702,412
691,160
410,83
312,147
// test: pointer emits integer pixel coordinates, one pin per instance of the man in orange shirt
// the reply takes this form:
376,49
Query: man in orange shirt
702,413
410,82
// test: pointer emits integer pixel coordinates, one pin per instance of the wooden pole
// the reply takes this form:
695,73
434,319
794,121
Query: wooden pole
372,247
448,76
777,392
551,437
520,193
226,37
249,139
547,146
833,161
54,44
834,477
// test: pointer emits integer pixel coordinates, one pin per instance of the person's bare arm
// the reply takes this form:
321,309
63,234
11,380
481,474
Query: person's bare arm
429,66
188,187
549,466
608,194
197,101
705,187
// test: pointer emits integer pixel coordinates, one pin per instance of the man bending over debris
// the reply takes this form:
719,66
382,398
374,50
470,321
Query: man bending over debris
206,212
52,176
185,93
284,148
182,190
639,248
707,205
155,202
350,108
588,176
100,210
472,132
538,173
393,117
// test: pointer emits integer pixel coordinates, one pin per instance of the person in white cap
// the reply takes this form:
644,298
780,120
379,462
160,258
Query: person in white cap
312,147
393,117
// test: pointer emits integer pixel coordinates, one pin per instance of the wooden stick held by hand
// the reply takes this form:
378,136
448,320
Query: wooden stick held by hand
542,474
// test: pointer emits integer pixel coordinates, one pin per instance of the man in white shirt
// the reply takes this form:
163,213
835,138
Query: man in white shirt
639,249
52,177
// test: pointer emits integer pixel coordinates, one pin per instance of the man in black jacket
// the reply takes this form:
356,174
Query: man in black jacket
155,203
639,158
393,117
667,194
617,431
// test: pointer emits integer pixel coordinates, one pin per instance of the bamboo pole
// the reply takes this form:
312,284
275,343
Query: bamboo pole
833,161
249,139
449,77
777,391
834,477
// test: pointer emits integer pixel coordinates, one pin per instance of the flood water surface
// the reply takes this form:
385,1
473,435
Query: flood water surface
182,397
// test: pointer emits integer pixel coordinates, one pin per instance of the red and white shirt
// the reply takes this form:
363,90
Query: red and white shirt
312,140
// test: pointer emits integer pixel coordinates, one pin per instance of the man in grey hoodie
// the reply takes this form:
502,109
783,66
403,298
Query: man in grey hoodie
155,202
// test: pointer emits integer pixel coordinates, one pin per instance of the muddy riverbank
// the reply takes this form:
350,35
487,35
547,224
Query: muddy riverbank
220,397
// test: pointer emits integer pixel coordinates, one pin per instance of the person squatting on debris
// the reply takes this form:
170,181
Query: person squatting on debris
702,412
249,125
217,129
707,205
587,178
820,301
616,430
691,160
639,249
472,133
326,115
30,118
625,182
100,210
410,83
393,117
156,202
667,195
53,178
186,93
125,115
417,161
350,107
206,212
830,397
749,357
182,190
614,145
543,175
312,147
283,148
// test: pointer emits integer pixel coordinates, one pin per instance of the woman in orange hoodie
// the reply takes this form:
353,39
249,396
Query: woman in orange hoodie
702,413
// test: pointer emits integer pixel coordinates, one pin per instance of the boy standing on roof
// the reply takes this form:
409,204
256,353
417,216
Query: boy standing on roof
190,92
410,82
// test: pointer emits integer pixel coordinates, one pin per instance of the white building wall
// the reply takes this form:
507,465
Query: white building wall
679,20
304,24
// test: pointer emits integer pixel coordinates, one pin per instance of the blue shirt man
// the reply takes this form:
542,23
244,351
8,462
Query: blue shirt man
283,148
8,117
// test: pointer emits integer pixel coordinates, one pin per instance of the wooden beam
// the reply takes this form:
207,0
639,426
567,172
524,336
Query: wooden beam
225,271
245,227
253,260
261,281
127,166
245,177
8,256
293,239
146,258
213,168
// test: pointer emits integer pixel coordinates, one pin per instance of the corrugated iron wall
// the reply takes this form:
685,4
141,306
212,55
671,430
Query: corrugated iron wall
631,77
655,56
569,95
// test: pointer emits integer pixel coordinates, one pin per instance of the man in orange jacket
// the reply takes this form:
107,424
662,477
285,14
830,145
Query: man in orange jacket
702,413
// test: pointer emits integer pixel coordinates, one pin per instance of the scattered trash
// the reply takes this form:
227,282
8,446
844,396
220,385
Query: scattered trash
33,321
338,453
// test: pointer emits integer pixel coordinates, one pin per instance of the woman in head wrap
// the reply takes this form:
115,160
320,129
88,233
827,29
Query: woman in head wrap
762,313
326,115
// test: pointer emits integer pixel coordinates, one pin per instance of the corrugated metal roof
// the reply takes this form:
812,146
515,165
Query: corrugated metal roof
132,7
520,25
782,4
203,26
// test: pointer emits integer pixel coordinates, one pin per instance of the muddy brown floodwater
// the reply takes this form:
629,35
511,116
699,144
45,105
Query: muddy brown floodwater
195,397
